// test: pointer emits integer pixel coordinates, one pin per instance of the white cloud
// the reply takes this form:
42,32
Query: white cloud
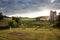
52,1
45,12
33,14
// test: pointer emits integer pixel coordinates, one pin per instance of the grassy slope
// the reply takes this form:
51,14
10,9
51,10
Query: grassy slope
40,34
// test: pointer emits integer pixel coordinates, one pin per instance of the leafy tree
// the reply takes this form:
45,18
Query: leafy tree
58,19
13,18
1,16
57,24
10,24
17,20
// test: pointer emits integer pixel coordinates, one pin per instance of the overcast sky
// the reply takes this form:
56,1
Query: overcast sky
28,8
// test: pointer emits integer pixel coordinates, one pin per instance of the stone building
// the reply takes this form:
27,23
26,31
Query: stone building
52,16
38,19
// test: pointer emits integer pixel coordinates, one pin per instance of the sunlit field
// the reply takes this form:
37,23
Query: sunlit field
30,34
32,30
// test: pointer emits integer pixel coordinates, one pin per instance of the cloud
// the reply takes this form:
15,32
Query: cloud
25,6
52,1
57,1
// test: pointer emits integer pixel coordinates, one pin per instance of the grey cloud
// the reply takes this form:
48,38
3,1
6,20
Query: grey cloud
22,6
57,1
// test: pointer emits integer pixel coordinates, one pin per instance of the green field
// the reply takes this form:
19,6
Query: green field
31,34
31,30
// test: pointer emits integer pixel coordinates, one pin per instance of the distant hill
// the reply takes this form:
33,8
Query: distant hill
42,17
5,16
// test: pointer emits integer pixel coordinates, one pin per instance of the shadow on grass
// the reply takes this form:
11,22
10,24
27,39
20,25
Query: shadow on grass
3,28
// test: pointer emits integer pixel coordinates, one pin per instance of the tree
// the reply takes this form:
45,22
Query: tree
58,19
1,16
17,20
57,24
10,24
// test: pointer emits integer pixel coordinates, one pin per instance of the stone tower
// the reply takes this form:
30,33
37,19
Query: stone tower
52,16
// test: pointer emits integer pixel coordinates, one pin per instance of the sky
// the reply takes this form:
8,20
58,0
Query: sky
28,8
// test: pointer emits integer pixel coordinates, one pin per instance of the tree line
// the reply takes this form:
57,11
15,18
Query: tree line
18,21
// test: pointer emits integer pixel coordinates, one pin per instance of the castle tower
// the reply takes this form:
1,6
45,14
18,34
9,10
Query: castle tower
52,16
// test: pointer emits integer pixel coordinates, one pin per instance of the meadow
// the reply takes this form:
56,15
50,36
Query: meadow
30,34
30,30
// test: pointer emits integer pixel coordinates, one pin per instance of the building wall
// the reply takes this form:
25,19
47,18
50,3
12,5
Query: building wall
52,16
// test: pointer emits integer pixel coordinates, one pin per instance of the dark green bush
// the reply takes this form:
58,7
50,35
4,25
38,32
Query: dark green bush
1,16
57,22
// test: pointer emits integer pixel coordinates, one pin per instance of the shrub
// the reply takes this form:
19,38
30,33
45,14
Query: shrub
57,23
17,20
1,16
10,24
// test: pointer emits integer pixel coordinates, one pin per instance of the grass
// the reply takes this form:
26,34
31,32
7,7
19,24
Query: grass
40,34
44,32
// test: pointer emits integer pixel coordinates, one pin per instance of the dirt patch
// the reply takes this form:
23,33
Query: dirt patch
20,34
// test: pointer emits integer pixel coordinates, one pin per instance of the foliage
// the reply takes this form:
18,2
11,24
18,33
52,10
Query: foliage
1,16
17,20
57,23
10,24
